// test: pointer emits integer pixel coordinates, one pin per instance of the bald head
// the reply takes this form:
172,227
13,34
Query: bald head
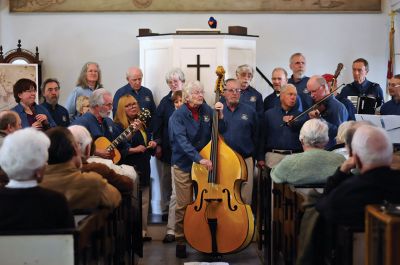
372,146
9,121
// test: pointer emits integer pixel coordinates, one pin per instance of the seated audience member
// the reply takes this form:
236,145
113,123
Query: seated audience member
63,174
51,94
9,123
88,81
347,195
82,105
392,107
340,147
31,114
84,140
23,204
315,164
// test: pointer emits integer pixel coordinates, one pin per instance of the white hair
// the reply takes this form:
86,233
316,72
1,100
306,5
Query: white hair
244,68
342,131
314,133
175,72
97,97
82,137
23,152
189,87
372,145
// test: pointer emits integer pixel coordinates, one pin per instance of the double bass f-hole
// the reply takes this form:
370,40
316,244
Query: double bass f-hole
228,199
198,208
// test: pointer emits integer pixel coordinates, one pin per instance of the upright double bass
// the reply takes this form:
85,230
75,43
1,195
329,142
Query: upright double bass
217,221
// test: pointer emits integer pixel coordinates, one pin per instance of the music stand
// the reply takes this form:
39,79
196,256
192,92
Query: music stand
390,123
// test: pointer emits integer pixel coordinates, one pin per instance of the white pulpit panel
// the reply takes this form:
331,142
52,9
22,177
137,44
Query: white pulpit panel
160,53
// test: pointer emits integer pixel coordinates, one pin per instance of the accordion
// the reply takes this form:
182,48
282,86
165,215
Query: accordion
364,104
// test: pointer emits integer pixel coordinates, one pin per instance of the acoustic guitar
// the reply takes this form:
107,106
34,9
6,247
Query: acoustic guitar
104,143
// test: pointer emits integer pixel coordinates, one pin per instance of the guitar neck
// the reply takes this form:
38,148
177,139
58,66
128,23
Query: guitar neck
123,136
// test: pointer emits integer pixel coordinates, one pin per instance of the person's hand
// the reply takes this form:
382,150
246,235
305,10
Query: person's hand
151,144
37,125
314,114
348,165
139,149
207,163
137,124
219,107
287,118
42,118
104,153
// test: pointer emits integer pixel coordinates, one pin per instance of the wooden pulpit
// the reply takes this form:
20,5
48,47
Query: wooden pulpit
198,55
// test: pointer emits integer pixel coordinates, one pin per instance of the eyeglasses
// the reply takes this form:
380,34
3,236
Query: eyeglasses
393,85
131,105
234,90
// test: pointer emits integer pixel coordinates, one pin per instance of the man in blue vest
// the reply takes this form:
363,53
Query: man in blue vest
51,93
143,95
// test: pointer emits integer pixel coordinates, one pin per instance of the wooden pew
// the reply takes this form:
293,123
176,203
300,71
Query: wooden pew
101,236
382,235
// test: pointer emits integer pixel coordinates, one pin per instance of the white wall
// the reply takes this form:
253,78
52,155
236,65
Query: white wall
67,40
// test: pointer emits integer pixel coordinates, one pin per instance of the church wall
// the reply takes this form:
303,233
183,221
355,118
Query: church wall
67,40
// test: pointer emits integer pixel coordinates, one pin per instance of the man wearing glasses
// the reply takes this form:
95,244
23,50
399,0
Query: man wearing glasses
392,107
241,132
97,120
331,110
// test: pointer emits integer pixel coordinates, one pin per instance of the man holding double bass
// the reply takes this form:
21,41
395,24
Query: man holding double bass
241,132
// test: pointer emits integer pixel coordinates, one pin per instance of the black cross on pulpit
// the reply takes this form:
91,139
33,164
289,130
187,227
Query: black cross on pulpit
198,66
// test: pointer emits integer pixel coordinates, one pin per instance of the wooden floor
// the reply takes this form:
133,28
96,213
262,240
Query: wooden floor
156,252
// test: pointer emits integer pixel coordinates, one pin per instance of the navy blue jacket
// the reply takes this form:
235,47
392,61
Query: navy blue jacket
275,135
301,86
366,88
59,114
335,114
144,97
38,109
160,126
241,129
90,122
188,136
390,108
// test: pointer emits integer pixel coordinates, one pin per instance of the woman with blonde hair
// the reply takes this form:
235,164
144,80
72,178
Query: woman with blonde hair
137,150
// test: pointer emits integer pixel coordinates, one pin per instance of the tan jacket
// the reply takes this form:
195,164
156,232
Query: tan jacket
82,190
